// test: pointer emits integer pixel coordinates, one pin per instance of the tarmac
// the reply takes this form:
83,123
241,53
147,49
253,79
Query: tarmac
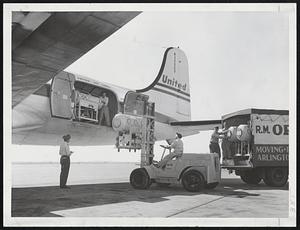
232,198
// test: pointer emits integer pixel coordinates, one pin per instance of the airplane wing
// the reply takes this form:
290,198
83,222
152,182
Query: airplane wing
194,127
45,43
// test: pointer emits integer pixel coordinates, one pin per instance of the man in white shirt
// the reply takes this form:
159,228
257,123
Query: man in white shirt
65,153
177,146
104,111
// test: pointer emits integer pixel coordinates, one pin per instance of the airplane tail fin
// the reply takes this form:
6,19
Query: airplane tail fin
171,90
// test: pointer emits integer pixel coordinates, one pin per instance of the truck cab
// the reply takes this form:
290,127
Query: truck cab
256,145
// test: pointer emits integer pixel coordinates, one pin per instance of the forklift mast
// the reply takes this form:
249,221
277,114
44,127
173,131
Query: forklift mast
135,126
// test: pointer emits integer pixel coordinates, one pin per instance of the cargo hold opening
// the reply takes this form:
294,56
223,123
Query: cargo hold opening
88,105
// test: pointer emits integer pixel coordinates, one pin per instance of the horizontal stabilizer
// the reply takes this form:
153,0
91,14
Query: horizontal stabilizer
185,127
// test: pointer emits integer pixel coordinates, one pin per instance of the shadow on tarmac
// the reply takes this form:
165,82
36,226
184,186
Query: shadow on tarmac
41,201
239,184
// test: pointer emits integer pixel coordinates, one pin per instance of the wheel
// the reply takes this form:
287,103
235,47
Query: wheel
276,177
211,185
267,181
163,185
251,177
139,179
193,181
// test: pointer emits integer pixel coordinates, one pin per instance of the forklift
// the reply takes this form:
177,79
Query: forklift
135,127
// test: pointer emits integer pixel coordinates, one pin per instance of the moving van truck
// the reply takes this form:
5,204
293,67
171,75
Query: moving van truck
257,145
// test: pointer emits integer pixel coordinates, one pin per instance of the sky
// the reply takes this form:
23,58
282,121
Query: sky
237,60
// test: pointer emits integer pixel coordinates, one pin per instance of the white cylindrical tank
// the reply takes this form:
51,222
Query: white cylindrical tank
243,133
125,122
231,134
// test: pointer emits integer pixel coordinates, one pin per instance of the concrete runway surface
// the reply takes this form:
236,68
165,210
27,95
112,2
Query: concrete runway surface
232,198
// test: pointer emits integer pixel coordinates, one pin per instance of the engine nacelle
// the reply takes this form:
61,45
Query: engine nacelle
243,133
126,123
232,134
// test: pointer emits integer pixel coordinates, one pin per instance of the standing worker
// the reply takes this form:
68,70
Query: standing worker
65,153
74,101
177,145
226,150
104,111
214,142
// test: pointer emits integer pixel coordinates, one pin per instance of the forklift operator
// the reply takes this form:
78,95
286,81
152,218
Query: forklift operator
177,146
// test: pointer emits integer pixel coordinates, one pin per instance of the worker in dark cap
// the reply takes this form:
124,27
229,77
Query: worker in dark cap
177,146
214,142
65,153
104,109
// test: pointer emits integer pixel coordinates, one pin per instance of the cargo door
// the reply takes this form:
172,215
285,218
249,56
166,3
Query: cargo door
60,99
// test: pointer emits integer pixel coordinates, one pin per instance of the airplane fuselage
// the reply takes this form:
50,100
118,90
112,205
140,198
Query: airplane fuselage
53,110
33,124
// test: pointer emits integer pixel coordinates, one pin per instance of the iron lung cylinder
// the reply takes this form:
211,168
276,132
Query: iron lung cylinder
124,123
232,134
243,133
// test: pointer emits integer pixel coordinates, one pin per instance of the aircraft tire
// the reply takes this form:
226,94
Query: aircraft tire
276,177
139,179
193,181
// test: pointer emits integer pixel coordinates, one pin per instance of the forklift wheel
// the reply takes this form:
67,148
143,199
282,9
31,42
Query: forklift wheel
139,179
193,181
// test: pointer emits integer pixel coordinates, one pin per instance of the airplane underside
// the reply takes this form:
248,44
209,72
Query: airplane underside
34,125
83,134
51,134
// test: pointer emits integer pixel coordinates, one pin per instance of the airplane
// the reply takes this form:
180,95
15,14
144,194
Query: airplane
51,111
